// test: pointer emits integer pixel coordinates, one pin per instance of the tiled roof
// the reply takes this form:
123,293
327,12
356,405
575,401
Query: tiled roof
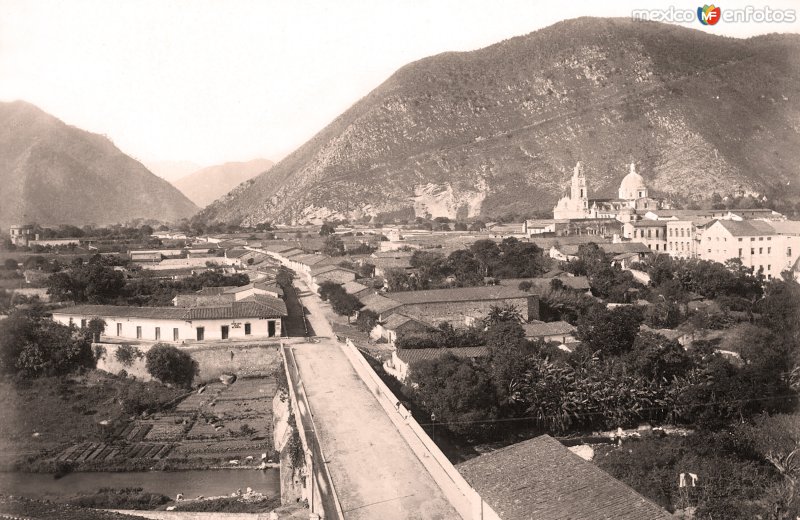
328,268
390,263
540,478
412,355
352,287
395,321
540,284
540,328
378,304
747,228
650,223
248,308
786,227
211,291
118,311
392,254
463,294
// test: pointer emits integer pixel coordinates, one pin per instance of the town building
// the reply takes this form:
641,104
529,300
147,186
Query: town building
768,248
254,319
454,306
557,484
20,235
560,332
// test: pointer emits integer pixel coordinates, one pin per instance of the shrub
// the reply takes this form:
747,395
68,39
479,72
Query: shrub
170,365
127,354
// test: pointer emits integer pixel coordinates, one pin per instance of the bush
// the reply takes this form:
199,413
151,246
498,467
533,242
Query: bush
124,498
170,365
127,354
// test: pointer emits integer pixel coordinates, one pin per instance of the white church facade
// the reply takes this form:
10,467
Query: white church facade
633,196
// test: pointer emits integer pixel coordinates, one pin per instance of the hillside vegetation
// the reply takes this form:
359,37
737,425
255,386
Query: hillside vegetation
52,173
499,129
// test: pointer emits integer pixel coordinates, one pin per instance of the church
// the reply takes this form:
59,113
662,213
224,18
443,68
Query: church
632,197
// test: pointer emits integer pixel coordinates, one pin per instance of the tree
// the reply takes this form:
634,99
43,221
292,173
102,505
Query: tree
328,288
53,350
10,264
502,313
509,354
657,358
487,253
366,320
397,279
170,365
345,304
334,246
457,392
327,229
95,328
611,332
127,354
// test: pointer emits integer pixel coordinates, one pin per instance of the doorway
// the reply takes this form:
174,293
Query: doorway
224,332
270,328
201,333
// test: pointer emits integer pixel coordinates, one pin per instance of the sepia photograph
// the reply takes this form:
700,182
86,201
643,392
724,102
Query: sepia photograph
399,260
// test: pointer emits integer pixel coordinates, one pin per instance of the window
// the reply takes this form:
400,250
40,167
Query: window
769,267
769,250
740,252
83,323
656,233
752,239
175,335
752,250
158,333
119,329
740,239
138,332
769,238
760,250
246,329
649,233
760,239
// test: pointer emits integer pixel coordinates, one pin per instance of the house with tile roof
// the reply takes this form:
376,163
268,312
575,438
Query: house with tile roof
254,317
543,480
559,331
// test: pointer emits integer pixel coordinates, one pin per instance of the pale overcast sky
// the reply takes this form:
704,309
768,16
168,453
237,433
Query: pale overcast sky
210,81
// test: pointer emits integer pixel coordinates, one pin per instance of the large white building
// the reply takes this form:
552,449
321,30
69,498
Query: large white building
258,318
767,247
633,196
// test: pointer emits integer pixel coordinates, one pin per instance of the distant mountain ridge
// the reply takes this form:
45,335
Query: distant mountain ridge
206,185
172,170
52,173
499,129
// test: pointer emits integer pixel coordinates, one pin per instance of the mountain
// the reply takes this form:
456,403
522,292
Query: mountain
205,186
172,170
498,130
52,173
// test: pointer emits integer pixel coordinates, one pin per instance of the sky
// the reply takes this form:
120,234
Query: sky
211,81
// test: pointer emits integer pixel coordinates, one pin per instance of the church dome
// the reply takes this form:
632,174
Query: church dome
632,186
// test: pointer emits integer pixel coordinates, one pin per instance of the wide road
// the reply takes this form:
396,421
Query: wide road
374,471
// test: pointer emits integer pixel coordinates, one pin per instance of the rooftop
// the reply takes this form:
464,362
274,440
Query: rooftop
540,478
539,328
260,306
746,228
413,355
463,294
